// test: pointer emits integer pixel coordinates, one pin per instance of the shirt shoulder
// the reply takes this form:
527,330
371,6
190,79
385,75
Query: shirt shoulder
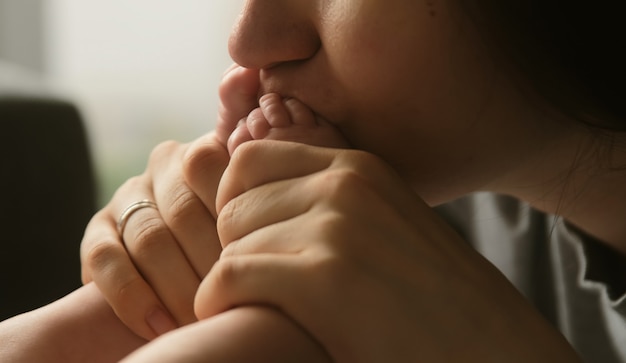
574,281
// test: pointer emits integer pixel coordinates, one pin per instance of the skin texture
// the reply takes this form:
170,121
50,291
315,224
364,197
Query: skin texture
251,333
349,248
64,331
139,274
81,327
246,334
329,57
415,75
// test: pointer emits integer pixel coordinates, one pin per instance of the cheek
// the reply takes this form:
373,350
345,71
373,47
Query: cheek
397,101
379,66
363,37
404,114
411,90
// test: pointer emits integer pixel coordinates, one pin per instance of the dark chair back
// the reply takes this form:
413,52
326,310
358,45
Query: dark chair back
47,197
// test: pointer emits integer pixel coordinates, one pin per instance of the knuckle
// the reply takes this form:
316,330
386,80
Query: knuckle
152,234
335,230
330,221
125,291
342,183
363,163
100,255
245,154
227,271
201,156
362,160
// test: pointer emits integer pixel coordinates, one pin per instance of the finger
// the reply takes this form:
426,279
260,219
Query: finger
263,206
187,218
280,237
154,251
106,262
203,164
280,160
263,161
157,255
279,281
302,287
278,216
237,281
238,95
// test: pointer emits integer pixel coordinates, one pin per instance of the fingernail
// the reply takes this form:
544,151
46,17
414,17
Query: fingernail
160,322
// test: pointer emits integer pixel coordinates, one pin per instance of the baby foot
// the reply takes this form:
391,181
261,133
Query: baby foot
288,119
238,94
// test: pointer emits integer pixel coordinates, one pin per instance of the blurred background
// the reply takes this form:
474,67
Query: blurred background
139,71
87,89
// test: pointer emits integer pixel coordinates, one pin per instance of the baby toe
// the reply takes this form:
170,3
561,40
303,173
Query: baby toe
237,96
238,137
274,110
257,124
298,112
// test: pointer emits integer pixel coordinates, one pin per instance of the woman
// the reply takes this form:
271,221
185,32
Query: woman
438,99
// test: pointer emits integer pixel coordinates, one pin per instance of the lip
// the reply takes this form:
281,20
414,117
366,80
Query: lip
275,84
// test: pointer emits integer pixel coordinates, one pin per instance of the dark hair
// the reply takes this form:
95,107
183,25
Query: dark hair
569,52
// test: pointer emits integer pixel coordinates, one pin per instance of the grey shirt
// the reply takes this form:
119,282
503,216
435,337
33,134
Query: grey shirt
574,281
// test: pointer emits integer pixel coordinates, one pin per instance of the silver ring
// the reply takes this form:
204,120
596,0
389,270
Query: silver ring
121,223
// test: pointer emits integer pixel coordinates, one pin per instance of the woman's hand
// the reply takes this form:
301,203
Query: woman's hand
150,272
338,242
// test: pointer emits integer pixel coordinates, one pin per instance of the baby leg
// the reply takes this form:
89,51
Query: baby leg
244,334
80,327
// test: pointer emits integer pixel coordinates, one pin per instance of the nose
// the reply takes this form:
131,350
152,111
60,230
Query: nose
270,32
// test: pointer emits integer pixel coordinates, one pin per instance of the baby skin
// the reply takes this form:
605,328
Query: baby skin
243,116
250,333
286,120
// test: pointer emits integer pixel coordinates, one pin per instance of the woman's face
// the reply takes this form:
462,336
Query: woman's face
407,80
